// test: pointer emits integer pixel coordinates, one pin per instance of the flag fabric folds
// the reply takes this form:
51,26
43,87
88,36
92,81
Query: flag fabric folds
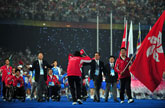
130,41
148,64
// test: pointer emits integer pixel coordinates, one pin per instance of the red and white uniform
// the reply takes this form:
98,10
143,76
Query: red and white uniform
120,66
9,80
5,71
18,80
53,79
75,63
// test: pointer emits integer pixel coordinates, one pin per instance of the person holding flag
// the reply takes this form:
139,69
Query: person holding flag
74,75
122,68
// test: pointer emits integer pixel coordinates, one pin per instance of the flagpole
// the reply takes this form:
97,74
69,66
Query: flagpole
10,56
140,33
126,35
97,32
150,28
111,34
85,52
124,22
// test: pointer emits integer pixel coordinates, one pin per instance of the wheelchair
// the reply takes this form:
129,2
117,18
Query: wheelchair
14,93
53,92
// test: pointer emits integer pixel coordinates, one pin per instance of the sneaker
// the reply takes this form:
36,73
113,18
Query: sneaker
122,102
92,97
28,97
130,101
74,103
79,101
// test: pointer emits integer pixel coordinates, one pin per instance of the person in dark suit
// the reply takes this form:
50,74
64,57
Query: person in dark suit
41,67
97,68
111,79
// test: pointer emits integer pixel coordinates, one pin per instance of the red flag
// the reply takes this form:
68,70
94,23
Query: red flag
82,51
124,40
148,64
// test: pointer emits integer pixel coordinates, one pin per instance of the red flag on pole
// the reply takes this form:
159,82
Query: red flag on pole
82,51
148,64
124,40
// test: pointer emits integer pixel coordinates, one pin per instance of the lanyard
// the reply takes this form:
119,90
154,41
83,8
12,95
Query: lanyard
8,69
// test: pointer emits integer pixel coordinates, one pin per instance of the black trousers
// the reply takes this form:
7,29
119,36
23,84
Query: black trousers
75,87
84,91
4,90
53,91
114,90
41,87
125,83
97,85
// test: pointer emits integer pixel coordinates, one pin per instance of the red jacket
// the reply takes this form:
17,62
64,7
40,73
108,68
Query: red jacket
18,80
53,79
119,67
9,80
5,71
74,65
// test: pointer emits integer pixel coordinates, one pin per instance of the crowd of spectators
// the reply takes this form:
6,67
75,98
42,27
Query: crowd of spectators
144,11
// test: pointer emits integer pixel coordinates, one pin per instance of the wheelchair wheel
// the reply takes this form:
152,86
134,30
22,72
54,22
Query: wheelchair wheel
58,98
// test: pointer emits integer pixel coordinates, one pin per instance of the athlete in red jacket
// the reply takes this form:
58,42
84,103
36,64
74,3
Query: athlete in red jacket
124,75
119,67
9,81
75,63
74,75
53,86
19,85
52,79
18,80
5,70
10,78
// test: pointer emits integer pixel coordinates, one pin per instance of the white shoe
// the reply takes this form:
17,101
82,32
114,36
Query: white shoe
74,103
28,97
79,101
121,102
92,97
130,101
